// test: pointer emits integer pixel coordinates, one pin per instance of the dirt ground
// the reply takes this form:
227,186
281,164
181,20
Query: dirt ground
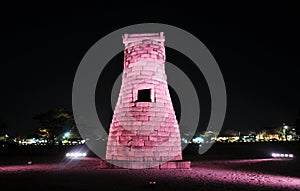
224,167
84,174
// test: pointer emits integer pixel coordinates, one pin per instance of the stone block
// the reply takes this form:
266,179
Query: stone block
138,143
147,72
150,68
152,143
138,165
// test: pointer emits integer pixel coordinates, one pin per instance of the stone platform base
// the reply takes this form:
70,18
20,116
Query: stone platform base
176,165
145,165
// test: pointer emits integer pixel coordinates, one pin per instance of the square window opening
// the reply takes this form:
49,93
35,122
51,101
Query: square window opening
144,95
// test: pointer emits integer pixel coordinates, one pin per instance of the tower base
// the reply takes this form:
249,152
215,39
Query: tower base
143,165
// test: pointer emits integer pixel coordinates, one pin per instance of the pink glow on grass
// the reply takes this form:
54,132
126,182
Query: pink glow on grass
254,160
69,164
221,172
27,168
248,178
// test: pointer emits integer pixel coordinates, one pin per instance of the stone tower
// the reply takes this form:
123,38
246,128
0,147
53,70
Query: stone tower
144,131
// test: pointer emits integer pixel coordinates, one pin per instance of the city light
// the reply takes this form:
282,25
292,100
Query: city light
198,140
67,135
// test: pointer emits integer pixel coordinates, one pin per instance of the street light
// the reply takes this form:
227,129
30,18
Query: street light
67,135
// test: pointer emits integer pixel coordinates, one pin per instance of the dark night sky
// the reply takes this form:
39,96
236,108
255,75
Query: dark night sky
258,55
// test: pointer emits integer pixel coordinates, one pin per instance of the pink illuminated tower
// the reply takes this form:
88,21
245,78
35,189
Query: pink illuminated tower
144,131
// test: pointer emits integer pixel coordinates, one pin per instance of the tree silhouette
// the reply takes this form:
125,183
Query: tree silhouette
297,123
3,127
231,132
53,123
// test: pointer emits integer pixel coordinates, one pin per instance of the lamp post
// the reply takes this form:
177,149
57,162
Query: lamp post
285,128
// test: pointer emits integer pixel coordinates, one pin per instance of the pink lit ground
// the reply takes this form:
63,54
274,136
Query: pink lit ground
244,174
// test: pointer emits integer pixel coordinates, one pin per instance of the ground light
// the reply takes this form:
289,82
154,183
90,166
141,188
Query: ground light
282,155
75,154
